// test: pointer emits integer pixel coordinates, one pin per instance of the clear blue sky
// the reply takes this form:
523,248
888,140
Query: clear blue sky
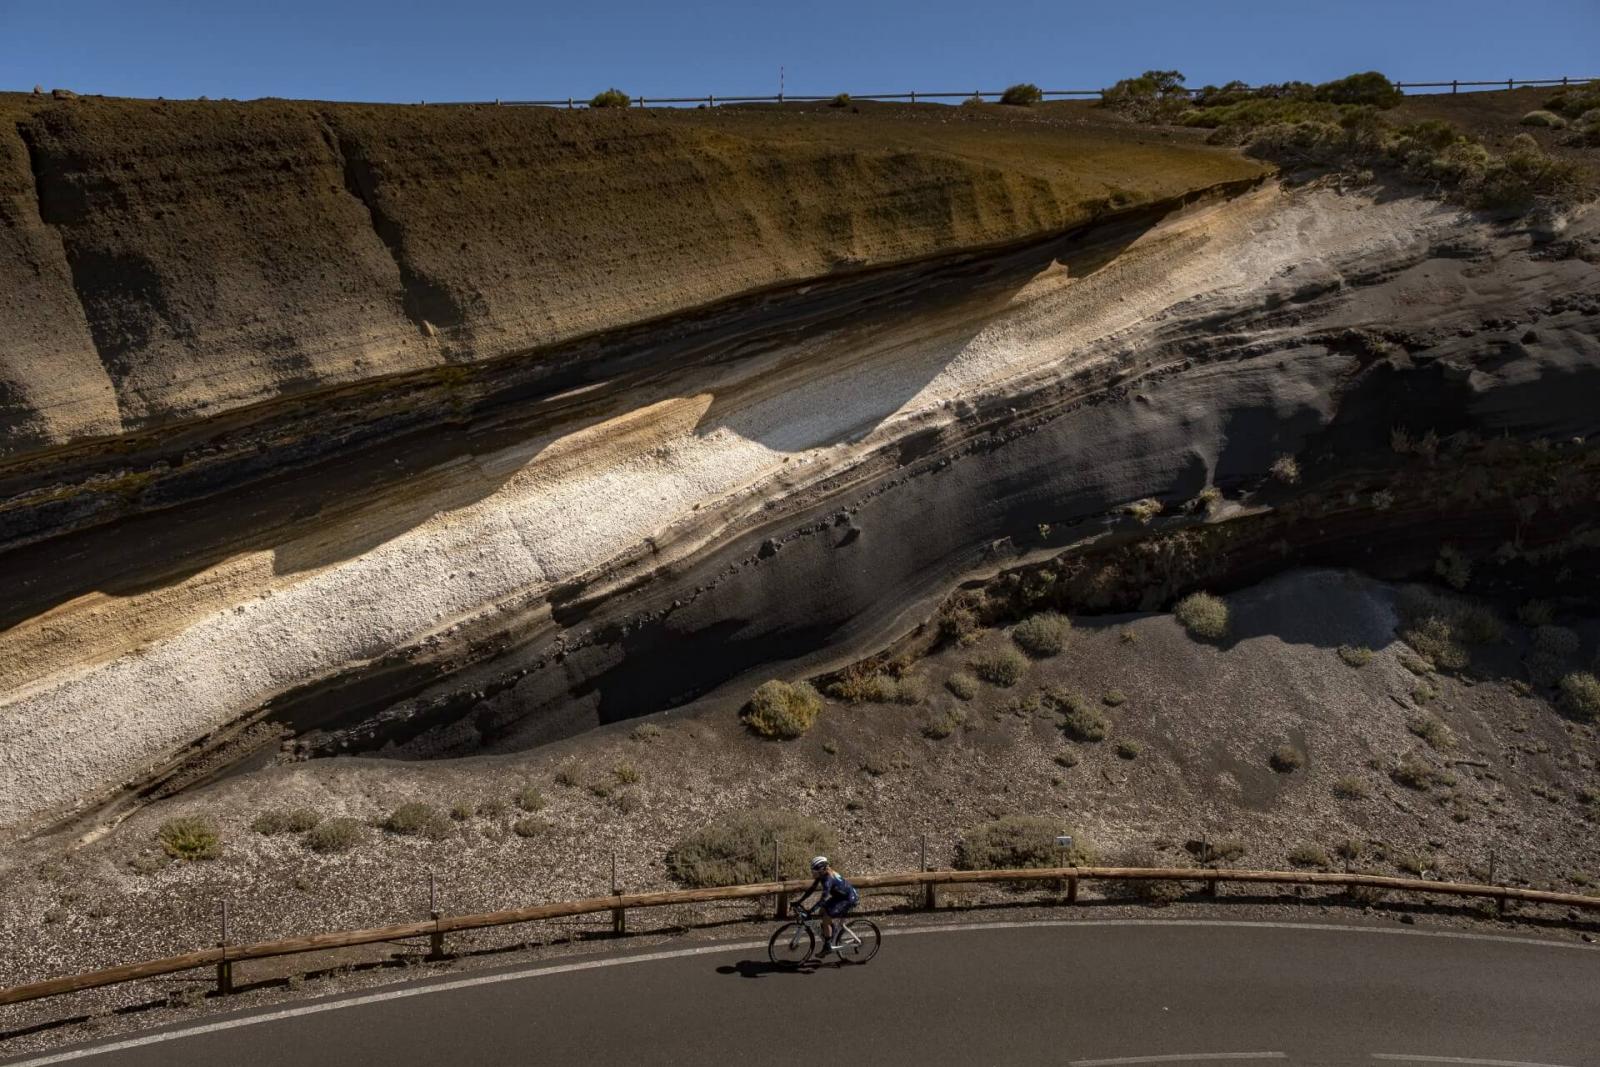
481,49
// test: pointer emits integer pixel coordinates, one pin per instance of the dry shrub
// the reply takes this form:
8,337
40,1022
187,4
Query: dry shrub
1580,695
336,835
1203,615
416,819
1003,668
1021,841
190,838
738,849
285,821
781,710
1042,635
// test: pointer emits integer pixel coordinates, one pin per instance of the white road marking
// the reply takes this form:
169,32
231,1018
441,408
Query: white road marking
1186,1057
400,992
1403,1058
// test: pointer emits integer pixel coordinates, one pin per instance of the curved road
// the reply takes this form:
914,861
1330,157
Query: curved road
1077,993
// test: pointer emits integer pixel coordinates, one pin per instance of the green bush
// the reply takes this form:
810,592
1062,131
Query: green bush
1355,656
1580,694
1021,841
336,835
1575,101
737,850
841,100
1203,615
1042,635
942,724
1548,119
190,838
611,98
416,819
646,731
1080,720
1129,749
1370,89
1154,96
1309,856
1023,94
778,709
963,685
1003,668
285,821
1431,729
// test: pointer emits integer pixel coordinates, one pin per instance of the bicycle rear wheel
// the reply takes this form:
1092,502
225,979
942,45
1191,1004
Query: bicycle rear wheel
791,944
860,942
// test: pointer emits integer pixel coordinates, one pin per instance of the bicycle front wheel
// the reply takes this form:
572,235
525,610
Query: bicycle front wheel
791,944
860,941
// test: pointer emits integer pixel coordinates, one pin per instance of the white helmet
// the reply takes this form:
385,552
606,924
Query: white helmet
818,862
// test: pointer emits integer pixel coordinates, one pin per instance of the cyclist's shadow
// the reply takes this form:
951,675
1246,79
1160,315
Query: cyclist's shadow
762,968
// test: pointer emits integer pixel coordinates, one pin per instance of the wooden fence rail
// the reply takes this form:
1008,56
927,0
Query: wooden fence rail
712,99
436,928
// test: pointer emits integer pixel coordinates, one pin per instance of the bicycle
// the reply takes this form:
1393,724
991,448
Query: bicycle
793,943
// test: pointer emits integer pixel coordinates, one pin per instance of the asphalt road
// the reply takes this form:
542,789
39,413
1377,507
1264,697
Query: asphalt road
1080,993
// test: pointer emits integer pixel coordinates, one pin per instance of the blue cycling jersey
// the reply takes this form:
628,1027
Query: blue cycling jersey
835,888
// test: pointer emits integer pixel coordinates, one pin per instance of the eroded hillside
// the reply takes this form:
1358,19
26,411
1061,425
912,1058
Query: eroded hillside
443,432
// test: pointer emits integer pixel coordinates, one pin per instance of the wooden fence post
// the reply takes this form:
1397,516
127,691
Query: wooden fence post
436,936
1072,889
930,899
619,916
1454,85
224,968
782,906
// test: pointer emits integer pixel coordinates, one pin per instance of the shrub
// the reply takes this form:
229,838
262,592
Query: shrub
1114,698
1286,758
944,723
857,686
1575,101
1355,656
1580,694
529,827
1309,856
737,849
1224,850
1477,625
462,810
1348,788
1286,469
1536,613
611,98
1432,730
416,819
1129,749
1081,720
1453,566
963,685
1020,841
626,774
1042,635
1003,668
959,623
1556,641
285,821
1370,88
780,710
1023,94
1203,615
1548,119
1149,890
1067,757
1154,96
336,835
492,808
528,798
190,838
841,100
1413,773
569,775
645,731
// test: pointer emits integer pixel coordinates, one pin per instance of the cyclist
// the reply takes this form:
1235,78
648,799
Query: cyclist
838,897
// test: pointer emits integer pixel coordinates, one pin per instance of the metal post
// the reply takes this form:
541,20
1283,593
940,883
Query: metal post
1454,85
928,900
569,103
711,101
913,96
1510,84
224,968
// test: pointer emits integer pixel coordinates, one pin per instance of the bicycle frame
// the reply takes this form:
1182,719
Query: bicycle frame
809,919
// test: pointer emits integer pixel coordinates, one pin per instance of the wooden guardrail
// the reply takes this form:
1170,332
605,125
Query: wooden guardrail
436,928
712,99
